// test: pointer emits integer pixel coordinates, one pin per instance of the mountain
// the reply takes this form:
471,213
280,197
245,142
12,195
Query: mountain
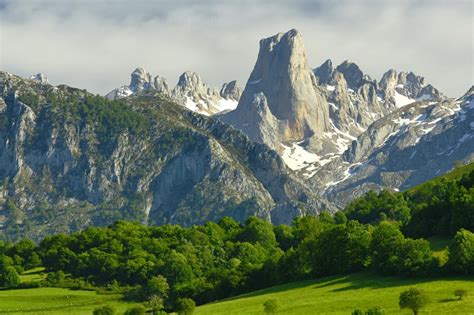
190,91
404,148
344,132
280,102
69,159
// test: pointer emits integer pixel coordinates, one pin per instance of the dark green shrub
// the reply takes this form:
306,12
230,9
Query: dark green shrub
270,306
104,310
413,299
185,306
136,310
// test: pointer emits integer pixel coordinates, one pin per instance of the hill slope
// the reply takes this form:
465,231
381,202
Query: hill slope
343,294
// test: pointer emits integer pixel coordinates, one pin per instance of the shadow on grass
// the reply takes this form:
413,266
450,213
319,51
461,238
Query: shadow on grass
373,281
448,300
348,282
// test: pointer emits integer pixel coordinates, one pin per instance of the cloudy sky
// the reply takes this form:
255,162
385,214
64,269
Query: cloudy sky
95,44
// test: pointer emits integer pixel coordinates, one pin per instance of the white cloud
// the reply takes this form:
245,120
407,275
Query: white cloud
96,44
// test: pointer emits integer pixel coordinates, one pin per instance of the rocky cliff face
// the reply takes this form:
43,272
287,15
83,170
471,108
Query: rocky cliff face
343,130
69,160
280,102
405,148
190,91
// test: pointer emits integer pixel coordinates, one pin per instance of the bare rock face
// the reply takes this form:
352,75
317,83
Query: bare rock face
40,77
231,91
324,72
283,81
352,74
140,81
190,92
400,89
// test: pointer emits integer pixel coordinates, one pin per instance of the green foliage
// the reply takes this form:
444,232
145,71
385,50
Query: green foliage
258,231
461,252
340,249
185,306
30,99
136,310
442,207
393,254
373,206
413,299
358,311
9,277
104,310
156,303
270,306
461,293
157,286
56,278
340,218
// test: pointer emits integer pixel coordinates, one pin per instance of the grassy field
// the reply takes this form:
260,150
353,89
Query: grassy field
56,301
341,295
331,295
33,275
43,301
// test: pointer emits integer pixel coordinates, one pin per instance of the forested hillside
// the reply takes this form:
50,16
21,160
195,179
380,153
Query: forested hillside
218,260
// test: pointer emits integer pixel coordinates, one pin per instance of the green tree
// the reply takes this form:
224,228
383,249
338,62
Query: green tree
270,306
185,306
104,310
56,278
461,252
340,249
340,218
9,277
157,286
413,299
156,303
386,243
136,310
284,236
369,208
258,231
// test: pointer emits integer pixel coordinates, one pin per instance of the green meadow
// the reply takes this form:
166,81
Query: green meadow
341,295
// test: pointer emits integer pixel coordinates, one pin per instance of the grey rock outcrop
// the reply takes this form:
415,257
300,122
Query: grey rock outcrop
190,92
231,91
405,148
40,77
280,98
324,72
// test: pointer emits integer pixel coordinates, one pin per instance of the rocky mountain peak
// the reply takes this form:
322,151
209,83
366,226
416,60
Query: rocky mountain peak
231,90
324,72
190,80
352,74
190,85
406,87
140,80
40,77
283,80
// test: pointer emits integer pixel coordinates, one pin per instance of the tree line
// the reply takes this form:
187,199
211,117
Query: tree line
170,265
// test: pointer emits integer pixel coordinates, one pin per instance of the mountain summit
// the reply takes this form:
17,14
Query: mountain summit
280,102
190,91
